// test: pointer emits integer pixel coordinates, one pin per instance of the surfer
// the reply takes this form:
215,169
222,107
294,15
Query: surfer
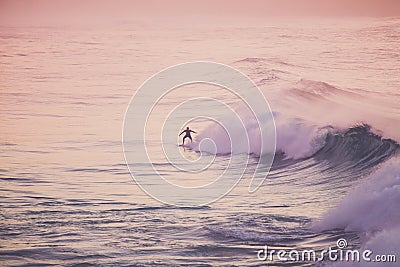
187,134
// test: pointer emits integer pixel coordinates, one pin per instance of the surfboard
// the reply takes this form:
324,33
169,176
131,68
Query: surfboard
184,146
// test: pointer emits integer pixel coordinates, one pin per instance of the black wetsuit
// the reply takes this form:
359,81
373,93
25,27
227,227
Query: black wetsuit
187,135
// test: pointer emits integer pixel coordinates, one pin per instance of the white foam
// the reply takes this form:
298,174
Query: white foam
372,208
296,138
301,113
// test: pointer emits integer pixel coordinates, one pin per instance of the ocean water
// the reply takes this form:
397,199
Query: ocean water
67,196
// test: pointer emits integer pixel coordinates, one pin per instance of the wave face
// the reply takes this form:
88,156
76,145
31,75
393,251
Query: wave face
356,147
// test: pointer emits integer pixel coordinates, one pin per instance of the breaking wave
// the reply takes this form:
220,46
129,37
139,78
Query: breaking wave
352,139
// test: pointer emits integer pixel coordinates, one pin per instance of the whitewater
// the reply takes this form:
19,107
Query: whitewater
68,198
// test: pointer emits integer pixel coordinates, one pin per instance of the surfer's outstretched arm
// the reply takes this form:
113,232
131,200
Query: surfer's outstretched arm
192,131
181,133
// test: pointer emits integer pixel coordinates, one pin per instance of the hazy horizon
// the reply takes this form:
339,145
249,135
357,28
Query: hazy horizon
29,11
